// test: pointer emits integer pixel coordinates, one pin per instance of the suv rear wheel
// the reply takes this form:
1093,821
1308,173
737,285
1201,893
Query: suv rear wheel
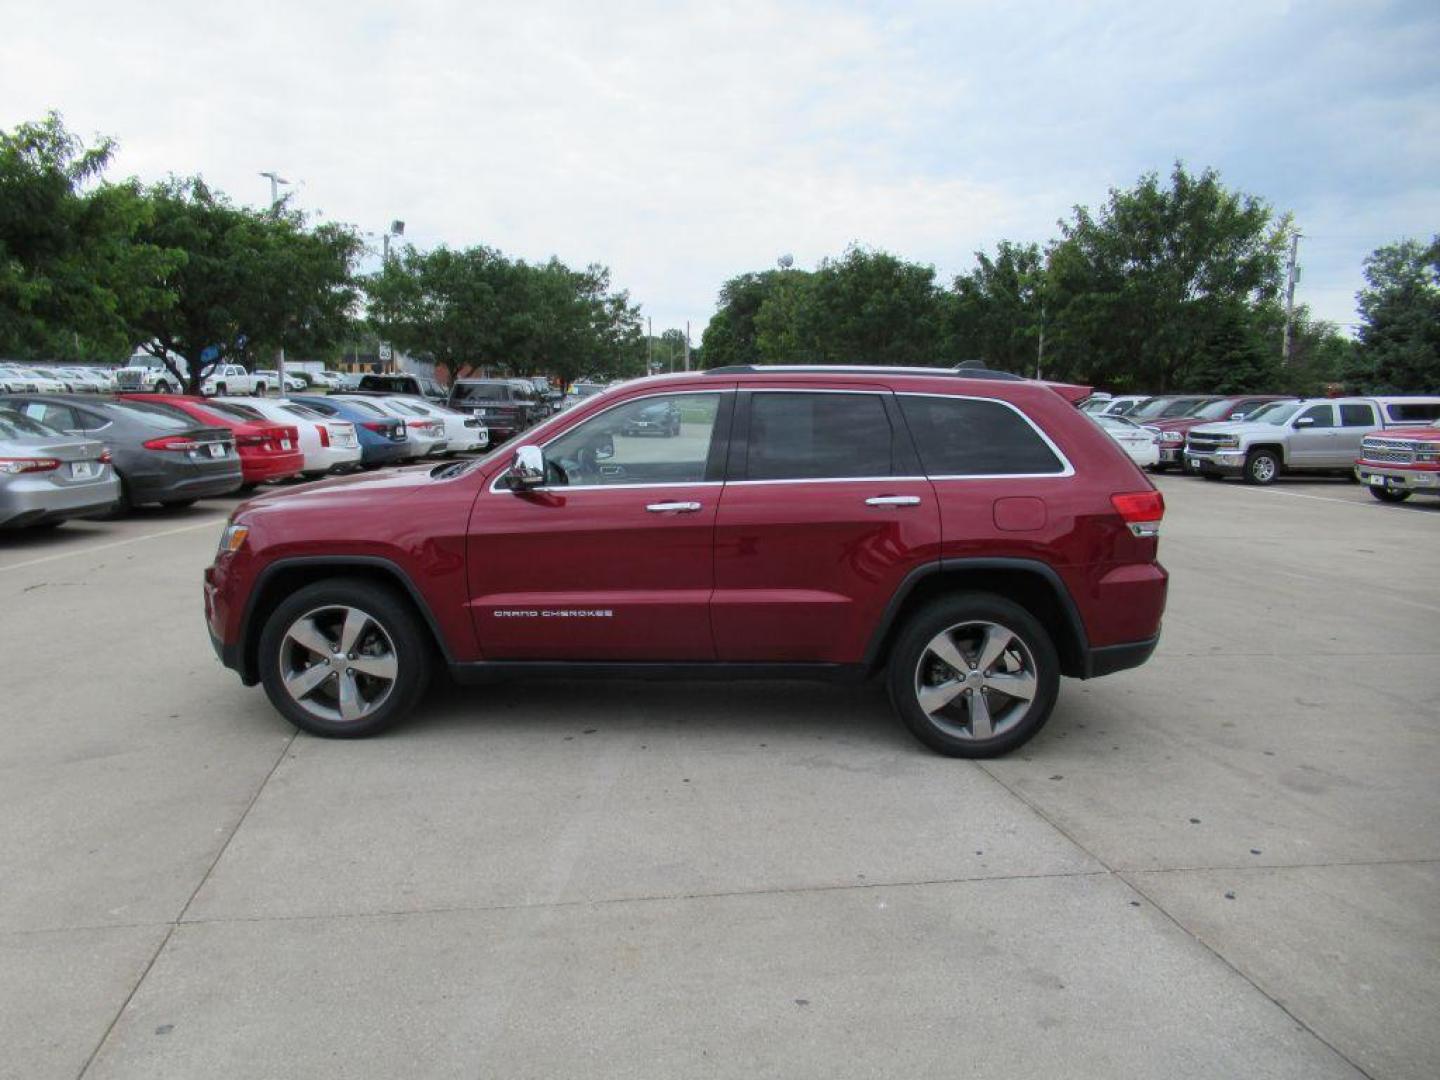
344,658
1262,467
974,675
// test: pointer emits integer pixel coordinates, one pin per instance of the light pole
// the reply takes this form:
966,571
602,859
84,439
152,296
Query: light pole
385,353
275,181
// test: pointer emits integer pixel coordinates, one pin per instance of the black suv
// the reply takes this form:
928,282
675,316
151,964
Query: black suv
412,385
506,407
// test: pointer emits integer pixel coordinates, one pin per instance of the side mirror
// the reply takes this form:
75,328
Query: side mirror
604,448
1237,416
528,468
1305,421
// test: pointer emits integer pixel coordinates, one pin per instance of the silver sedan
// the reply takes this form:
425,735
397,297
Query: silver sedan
46,476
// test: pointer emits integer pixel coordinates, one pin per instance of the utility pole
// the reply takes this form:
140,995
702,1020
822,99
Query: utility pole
1292,271
649,347
1040,351
275,181
687,344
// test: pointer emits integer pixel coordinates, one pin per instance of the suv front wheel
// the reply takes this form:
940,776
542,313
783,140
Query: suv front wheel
1262,467
974,675
344,658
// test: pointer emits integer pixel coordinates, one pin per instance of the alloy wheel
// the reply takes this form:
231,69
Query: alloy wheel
976,680
338,663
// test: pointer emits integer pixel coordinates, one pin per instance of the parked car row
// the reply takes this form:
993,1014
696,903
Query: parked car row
72,455
50,379
1390,443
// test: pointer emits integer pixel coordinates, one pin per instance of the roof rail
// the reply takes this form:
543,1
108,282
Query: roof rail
851,369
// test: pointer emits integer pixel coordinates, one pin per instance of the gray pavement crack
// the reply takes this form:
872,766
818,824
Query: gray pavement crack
179,917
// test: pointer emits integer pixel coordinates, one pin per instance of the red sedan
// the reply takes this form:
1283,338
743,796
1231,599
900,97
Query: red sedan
267,451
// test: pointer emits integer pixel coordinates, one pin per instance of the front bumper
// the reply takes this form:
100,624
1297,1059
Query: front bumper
1423,481
1217,462
1171,455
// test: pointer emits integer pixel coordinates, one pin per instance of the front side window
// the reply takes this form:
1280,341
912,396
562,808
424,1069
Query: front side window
1358,415
1322,415
815,436
654,440
966,437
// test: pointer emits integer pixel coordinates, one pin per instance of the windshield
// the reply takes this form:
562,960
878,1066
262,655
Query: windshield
238,412
155,416
481,391
1277,412
1164,408
14,425
1216,410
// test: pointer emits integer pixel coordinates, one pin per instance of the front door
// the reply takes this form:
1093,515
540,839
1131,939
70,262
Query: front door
824,512
1312,444
612,557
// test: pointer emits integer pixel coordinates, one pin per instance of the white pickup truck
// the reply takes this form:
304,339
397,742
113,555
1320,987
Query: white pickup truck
148,374
232,380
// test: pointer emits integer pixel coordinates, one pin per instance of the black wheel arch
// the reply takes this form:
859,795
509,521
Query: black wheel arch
1027,582
284,576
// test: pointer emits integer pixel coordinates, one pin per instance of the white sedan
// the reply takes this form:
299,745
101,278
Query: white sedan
328,445
1141,443
463,432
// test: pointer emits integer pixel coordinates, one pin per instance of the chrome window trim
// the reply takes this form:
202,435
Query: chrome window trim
1067,469
496,489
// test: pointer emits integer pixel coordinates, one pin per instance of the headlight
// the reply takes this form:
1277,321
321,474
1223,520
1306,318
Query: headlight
233,538
1172,437
1427,457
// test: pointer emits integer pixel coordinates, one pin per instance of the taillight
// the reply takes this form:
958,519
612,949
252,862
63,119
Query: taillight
105,458
250,440
1141,510
13,465
177,443
376,426
324,430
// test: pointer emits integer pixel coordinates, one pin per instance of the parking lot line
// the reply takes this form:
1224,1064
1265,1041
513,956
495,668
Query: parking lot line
1327,498
92,548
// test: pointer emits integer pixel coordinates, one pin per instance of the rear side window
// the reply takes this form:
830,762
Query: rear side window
966,437
805,436
1422,410
1357,416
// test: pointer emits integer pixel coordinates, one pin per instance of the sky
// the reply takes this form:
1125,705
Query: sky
681,144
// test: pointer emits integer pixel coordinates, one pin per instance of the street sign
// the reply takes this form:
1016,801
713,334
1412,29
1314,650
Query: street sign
385,352
209,353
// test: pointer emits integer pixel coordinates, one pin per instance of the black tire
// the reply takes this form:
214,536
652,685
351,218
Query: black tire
1262,467
1211,476
162,387
1389,495
396,618
220,389
949,730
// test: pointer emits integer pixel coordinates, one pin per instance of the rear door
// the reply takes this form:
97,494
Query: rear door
823,514
1357,419
611,559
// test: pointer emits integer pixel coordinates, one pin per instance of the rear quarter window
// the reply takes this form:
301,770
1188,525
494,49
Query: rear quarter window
968,437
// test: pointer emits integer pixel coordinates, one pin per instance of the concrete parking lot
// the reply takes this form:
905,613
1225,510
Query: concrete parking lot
1224,864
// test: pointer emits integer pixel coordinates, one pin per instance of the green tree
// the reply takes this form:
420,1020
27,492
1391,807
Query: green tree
998,309
730,336
1399,346
249,283
870,307
1138,288
72,265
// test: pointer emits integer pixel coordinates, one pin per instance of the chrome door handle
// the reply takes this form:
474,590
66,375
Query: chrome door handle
893,500
673,508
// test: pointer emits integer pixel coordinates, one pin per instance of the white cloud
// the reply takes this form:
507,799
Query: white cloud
681,144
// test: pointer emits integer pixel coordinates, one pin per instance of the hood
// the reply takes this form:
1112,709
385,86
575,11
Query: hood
341,491
1184,423
1236,427
1420,434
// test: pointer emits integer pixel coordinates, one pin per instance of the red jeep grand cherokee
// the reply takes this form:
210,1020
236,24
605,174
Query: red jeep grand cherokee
970,533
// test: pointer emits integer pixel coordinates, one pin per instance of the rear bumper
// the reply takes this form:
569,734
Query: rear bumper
1108,659
175,488
258,468
385,453
25,503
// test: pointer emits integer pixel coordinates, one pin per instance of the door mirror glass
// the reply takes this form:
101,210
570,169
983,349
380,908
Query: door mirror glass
604,448
528,468
1237,416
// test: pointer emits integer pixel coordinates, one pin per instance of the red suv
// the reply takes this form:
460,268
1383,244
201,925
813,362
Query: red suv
970,534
